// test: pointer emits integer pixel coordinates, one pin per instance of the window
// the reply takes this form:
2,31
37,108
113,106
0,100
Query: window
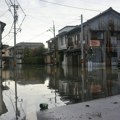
114,46
61,39
75,39
97,35
117,35
78,38
70,42
114,54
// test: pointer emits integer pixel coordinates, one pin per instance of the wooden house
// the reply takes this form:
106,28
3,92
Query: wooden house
101,41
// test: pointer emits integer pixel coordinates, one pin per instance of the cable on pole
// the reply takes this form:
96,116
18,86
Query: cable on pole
69,6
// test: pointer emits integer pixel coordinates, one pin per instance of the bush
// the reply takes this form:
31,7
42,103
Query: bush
33,60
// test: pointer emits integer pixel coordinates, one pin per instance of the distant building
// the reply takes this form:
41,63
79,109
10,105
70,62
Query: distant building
20,47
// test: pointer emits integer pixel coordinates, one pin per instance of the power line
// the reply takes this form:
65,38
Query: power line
21,8
10,4
70,6
8,40
9,31
38,35
19,29
9,7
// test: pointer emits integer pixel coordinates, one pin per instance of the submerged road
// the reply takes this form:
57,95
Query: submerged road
101,109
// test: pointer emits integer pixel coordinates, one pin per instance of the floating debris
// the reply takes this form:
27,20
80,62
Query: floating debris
43,106
115,102
87,105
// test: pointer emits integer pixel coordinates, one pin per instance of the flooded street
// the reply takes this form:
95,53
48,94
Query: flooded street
23,89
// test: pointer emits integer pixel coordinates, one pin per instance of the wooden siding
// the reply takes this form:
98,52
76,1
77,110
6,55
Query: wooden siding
104,22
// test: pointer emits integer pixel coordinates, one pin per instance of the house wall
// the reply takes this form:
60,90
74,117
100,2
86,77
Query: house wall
107,23
64,60
103,22
62,42
73,42
48,60
75,38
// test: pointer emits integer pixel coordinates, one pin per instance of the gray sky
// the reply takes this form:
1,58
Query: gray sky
40,15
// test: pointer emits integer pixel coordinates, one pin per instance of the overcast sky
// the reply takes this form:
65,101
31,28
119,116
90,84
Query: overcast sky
40,15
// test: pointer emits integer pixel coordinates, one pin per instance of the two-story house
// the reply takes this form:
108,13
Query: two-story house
101,41
63,42
51,54
57,46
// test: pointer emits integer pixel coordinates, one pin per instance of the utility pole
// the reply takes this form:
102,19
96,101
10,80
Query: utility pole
54,60
15,7
54,43
15,20
82,54
82,59
53,29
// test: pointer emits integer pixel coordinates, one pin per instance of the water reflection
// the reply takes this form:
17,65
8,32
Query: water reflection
75,85
3,108
31,85
29,74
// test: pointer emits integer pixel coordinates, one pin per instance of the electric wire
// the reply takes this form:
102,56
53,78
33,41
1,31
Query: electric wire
19,26
11,2
38,35
9,31
69,6
21,8
8,40
19,29
9,7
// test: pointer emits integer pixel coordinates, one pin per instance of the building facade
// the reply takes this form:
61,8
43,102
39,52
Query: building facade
101,41
57,46
2,25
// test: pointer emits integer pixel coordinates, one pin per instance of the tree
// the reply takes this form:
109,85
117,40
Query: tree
34,56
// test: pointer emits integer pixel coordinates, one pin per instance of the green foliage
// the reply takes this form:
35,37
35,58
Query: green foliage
34,56
33,60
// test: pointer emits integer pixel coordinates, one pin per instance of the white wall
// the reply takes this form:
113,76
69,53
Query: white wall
64,45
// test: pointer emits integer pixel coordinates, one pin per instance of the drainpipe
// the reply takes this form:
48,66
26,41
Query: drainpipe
82,60
82,56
